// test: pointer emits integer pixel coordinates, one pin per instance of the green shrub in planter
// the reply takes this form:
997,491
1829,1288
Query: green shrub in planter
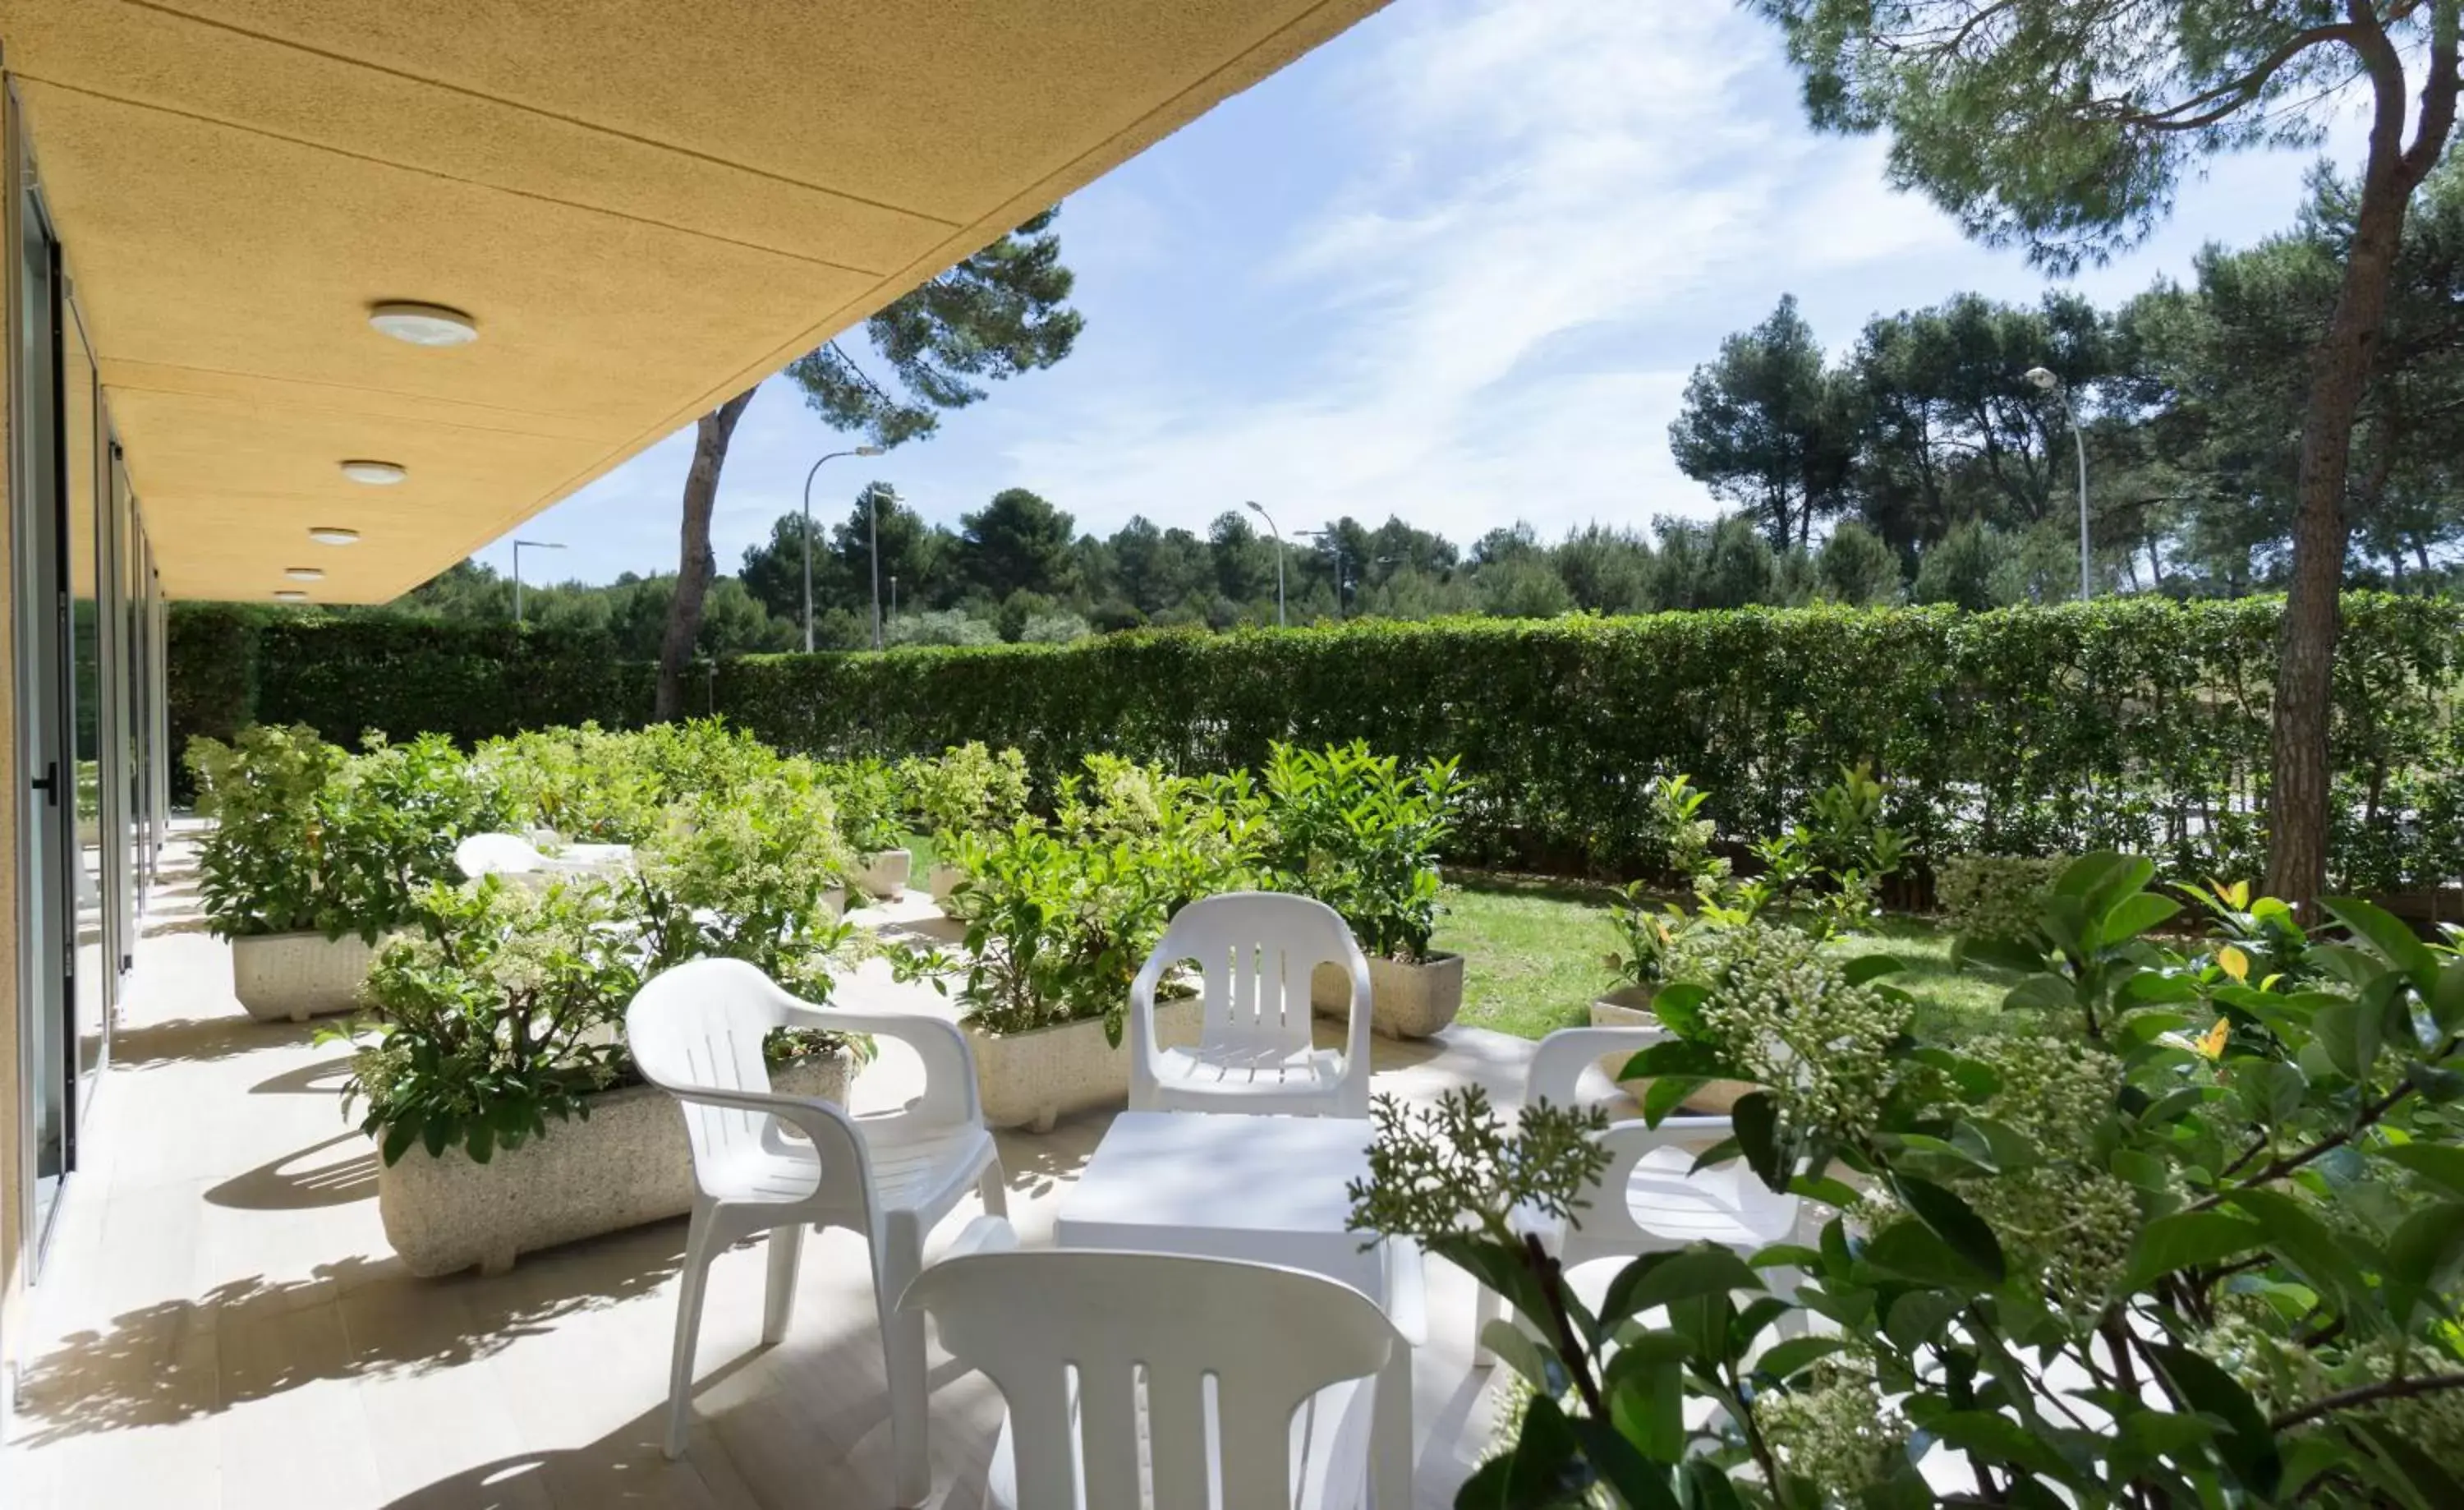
260,869
870,802
506,1012
966,790
587,783
744,876
2179,1236
308,838
1060,918
1363,835
1994,896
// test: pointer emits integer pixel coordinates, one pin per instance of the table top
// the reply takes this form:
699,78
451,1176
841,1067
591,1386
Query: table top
1217,1169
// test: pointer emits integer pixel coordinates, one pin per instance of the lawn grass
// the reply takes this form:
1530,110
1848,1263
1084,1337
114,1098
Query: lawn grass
1534,957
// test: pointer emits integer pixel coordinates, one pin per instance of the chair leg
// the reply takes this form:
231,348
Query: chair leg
778,1298
994,1187
1488,1306
896,1264
1390,1434
689,1298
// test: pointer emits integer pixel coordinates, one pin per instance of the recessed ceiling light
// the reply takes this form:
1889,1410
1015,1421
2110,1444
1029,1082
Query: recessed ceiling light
374,474
290,595
333,535
304,573
424,324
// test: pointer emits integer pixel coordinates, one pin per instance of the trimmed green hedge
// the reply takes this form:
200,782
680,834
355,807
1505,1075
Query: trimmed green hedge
2129,723
231,665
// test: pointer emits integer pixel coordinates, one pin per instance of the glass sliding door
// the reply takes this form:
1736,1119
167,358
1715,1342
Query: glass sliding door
92,721
48,861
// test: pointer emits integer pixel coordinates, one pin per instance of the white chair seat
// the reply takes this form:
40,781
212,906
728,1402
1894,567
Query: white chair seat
925,1174
1252,956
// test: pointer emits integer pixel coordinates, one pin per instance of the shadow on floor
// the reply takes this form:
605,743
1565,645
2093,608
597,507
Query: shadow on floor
303,1181
324,1078
254,1337
201,1041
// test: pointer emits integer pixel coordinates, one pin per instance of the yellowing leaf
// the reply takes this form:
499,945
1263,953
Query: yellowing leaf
2212,1046
2233,963
2235,896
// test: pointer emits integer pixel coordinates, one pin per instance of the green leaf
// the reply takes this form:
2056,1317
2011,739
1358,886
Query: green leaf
1871,966
2186,1239
398,1140
1677,1005
2041,994
2434,1486
2244,1441
2134,914
1665,1094
2304,1242
1911,1248
1955,1223
2426,1251
1516,1349
1664,1278
1784,1360
1755,1119
1645,1394
2389,937
1639,1484
1544,1468
2441,1164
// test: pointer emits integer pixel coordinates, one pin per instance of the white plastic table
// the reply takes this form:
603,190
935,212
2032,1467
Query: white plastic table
1268,1189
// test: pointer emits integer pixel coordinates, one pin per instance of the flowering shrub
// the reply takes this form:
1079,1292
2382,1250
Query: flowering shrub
1994,896
2186,1234
1362,833
869,803
967,789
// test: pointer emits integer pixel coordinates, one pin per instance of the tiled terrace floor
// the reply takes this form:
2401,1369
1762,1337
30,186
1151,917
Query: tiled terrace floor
221,1321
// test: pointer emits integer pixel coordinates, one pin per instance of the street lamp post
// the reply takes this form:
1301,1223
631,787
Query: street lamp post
534,544
893,594
2047,382
1278,558
860,451
873,521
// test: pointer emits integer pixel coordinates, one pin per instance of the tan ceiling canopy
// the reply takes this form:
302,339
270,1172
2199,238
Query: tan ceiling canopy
644,207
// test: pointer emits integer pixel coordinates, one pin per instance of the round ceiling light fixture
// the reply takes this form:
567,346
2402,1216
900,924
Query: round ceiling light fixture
374,474
333,535
424,324
304,573
290,595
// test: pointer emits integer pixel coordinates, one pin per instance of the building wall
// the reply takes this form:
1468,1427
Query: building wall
12,1113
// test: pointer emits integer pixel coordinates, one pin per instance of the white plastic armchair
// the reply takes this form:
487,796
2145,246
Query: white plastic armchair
696,1032
1650,1198
507,855
1292,1357
1255,953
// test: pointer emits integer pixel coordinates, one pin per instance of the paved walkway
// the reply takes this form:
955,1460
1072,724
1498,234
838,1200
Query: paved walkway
221,1321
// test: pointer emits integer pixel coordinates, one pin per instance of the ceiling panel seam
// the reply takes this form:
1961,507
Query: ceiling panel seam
313,146
581,122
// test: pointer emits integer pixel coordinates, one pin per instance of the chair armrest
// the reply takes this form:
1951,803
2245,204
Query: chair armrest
1557,1065
1146,1060
1603,1210
824,1126
950,1093
1407,1298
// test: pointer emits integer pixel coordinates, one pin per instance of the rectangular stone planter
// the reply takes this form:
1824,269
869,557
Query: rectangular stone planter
1405,1000
884,875
1630,1007
299,975
626,1165
1030,1079
943,880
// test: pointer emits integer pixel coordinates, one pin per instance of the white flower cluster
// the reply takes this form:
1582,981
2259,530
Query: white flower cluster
1789,1018
1841,1435
2282,1374
2065,1217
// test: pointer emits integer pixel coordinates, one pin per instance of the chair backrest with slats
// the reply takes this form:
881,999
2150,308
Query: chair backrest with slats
1255,953
700,1027
1269,1338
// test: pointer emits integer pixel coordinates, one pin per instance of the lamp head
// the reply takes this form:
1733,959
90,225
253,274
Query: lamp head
867,451
2044,378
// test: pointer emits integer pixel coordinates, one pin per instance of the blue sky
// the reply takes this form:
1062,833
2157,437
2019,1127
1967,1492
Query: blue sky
1456,265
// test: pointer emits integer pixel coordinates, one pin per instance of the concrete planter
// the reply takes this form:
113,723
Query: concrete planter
626,1165
943,880
1030,1079
884,874
299,975
1405,1000
1630,1007
834,902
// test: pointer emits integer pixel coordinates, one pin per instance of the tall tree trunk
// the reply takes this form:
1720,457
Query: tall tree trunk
2298,792
693,568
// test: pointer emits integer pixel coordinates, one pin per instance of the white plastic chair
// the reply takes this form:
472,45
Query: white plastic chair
1255,953
1290,1355
696,1031
1650,1198
507,855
